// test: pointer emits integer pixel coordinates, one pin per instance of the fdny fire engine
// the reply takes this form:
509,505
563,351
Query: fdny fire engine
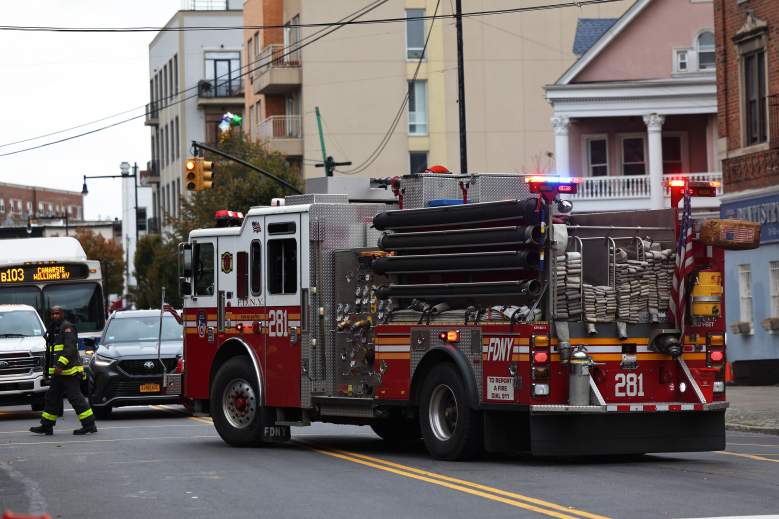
476,312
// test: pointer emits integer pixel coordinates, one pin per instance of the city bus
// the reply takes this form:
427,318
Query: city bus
47,272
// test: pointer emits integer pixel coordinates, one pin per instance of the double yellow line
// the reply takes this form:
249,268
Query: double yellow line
467,487
493,494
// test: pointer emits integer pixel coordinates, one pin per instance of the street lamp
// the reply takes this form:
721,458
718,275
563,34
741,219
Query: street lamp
124,168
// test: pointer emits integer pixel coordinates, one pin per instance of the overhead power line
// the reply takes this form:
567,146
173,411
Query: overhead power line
288,50
491,12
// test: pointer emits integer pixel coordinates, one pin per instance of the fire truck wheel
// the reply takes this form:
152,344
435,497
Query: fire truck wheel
398,432
450,428
235,404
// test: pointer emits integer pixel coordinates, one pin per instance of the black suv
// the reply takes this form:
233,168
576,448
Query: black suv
125,369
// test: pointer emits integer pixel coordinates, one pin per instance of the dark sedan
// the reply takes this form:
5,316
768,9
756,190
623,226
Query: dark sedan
126,370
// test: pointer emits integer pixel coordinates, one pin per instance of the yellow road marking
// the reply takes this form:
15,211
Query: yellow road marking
756,444
748,456
475,485
471,488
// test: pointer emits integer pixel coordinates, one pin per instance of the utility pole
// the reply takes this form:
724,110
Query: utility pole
328,162
461,86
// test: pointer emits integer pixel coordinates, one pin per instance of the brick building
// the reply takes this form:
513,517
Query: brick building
747,46
17,202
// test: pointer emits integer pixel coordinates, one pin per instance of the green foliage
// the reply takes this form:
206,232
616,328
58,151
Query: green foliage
236,187
156,266
111,256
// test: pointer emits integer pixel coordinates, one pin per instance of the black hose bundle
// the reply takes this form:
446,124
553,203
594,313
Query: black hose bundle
517,211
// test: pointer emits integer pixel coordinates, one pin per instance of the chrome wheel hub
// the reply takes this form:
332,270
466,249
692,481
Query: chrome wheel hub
443,412
239,403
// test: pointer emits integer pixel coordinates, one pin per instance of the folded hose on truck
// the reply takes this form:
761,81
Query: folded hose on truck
531,288
458,262
516,236
516,211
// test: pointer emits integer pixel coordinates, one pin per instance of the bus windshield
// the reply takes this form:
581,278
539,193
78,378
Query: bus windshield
21,295
82,303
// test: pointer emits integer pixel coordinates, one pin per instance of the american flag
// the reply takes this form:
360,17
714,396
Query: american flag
684,264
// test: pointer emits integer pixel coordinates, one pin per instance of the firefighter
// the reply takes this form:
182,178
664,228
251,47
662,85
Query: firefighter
66,372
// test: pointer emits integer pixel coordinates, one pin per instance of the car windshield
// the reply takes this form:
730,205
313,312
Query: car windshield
20,323
82,303
138,329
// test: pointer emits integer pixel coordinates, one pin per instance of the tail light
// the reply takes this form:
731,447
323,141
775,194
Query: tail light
540,365
715,351
180,365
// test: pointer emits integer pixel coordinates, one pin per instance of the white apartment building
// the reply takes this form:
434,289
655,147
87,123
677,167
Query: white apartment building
194,78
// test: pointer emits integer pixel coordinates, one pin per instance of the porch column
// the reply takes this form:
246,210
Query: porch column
654,126
560,123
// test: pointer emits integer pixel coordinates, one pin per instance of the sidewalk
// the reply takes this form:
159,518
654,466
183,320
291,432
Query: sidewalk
753,408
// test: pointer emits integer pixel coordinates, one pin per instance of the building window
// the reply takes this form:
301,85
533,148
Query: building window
141,219
773,268
633,156
251,119
417,107
2,205
176,74
176,141
745,293
753,66
597,156
291,40
415,33
282,266
417,161
178,197
706,55
29,207
40,207
166,144
257,115
672,154
223,71
682,62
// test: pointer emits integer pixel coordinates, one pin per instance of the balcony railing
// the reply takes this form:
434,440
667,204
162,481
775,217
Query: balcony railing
152,113
209,88
277,55
604,188
281,127
632,187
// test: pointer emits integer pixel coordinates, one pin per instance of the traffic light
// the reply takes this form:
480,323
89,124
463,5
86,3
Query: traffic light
206,174
192,168
198,174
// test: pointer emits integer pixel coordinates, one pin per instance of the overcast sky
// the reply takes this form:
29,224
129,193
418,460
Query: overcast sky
52,81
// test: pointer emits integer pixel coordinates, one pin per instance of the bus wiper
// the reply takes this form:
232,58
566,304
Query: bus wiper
13,335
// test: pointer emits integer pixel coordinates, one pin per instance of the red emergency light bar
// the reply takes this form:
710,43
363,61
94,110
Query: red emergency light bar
553,184
225,218
696,187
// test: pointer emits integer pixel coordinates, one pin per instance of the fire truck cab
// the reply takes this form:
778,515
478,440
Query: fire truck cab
476,314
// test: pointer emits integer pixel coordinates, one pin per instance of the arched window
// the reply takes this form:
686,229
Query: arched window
706,55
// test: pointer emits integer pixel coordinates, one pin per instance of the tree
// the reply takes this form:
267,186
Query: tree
236,187
111,256
156,266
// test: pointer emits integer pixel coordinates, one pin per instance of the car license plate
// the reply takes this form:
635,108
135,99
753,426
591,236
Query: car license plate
150,388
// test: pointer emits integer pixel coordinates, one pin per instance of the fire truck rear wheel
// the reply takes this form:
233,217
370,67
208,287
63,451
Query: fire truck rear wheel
450,428
236,404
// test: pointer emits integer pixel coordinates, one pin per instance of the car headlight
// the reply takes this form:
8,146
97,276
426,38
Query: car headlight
102,361
86,356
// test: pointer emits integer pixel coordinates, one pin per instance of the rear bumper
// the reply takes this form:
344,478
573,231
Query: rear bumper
627,408
604,433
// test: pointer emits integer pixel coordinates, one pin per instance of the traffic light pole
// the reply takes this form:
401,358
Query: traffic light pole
461,87
200,146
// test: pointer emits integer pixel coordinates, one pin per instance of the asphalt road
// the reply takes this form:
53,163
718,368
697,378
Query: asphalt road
157,463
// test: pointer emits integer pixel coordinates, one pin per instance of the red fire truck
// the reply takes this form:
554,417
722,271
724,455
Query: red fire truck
477,313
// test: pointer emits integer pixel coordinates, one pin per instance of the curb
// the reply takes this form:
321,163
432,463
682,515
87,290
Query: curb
752,428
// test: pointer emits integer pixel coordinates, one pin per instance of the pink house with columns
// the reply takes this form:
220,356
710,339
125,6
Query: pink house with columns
639,105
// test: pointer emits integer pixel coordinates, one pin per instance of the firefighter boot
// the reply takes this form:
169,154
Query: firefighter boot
43,428
86,428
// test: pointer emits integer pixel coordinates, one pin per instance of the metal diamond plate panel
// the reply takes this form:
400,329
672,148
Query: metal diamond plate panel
420,189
